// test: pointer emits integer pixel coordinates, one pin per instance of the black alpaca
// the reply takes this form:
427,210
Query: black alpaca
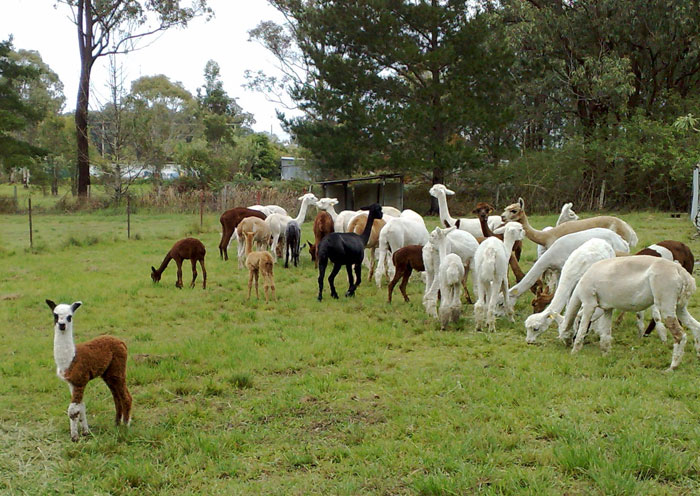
345,249
292,236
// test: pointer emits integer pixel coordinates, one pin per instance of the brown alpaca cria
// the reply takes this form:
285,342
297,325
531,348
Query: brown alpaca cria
406,260
259,263
104,356
323,225
185,249
229,221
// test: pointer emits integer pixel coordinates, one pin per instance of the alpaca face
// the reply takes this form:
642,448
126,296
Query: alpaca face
437,236
483,210
63,314
155,276
515,230
308,198
567,214
326,203
513,212
438,189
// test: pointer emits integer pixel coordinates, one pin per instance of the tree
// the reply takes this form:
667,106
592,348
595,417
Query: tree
389,84
214,99
16,113
112,27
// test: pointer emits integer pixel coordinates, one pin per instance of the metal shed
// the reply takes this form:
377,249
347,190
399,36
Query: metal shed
385,189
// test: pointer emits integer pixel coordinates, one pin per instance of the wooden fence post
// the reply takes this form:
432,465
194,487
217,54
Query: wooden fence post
31,231
128,217
201,210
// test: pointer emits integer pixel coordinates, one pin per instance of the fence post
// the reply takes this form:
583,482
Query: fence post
16,203
31,230
201,210
128,217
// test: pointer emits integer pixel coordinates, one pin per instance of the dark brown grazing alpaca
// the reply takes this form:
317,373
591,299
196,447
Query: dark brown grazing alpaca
229,221
406,260
323,225
185,249
104,356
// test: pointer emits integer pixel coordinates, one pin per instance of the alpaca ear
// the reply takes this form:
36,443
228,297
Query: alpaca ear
522,203
334,201
51,304
75,306
459,221
475,211
153,269
447,224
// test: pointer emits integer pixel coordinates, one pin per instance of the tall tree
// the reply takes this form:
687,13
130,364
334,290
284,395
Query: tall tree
111,27
393,84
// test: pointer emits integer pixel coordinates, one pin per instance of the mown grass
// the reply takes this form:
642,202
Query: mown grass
353,396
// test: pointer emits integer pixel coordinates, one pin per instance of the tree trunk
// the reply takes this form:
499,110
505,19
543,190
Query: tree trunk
438,178
81,126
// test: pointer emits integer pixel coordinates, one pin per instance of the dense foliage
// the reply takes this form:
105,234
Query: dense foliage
445,88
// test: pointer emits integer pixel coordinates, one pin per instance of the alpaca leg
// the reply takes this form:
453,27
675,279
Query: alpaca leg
582,328
404,280
271,282
604,327
331,279
75,411
464,282
358,275
321,274
204,274
251,276
116,396
256,276
692,324
223,244
392,283
286,257
679,339
194,272
373,261
351,283
178,284
241,253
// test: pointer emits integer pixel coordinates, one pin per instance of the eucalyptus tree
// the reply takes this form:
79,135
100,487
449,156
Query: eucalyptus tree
108,27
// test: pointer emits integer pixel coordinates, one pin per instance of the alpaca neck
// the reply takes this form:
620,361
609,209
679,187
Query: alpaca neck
444,212
368,229
63,347
331,211
509,241
485,227
442,250
302,212
248,244
532,275
164,264
533,234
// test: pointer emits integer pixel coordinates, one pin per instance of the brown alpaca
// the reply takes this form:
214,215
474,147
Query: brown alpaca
229,221
516,213
104,356
406,260
323,224
185,249
261,238
357,225
259,263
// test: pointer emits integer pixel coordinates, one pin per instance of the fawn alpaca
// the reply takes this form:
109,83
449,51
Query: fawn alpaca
104,356
188,248
259,262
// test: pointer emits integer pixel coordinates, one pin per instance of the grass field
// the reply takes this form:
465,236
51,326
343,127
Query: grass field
353,396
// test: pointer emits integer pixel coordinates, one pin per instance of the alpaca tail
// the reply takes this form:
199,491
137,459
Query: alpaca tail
453,274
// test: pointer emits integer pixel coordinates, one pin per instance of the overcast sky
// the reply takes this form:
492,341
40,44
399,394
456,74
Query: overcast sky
180,54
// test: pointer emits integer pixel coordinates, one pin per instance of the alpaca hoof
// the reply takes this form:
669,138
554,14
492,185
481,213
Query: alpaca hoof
320,298
334,296
349,294
75,438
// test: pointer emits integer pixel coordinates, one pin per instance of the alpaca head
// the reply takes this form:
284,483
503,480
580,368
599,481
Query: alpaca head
438,236
541,300
308,198
155,275
514,212
440,189
483,210
326,203
514,231
312,250
375,211
567,214
63,314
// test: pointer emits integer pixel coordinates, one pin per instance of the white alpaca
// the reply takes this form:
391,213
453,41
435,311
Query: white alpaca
516,213
634,284
575,266
269,209
491,274
450,275
472,226
409,229
462,244
340,220
104,356
278,222
557,254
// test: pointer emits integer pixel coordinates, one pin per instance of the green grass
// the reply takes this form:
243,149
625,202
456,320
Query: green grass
353,396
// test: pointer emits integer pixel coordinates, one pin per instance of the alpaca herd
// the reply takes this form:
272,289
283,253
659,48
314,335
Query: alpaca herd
582,273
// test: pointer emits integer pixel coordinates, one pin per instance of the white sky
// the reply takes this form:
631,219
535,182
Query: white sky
180,54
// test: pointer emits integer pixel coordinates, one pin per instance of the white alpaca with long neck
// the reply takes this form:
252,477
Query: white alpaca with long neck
472,226
555,257
491,275
450,275
462,244
633,284
408,229
278,223
576,265
104,356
